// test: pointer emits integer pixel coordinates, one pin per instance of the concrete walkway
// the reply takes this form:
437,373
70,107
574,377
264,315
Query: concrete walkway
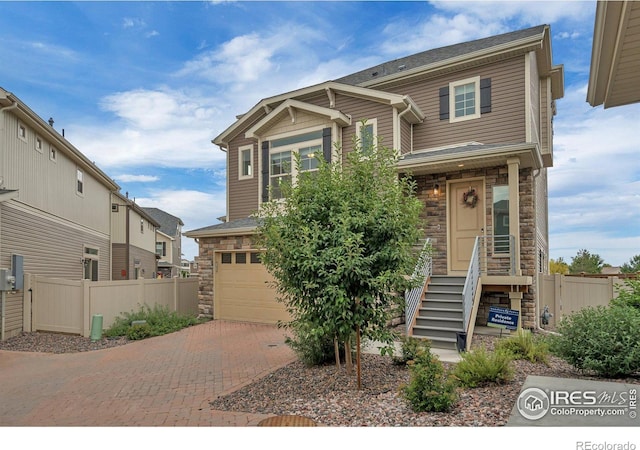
162,381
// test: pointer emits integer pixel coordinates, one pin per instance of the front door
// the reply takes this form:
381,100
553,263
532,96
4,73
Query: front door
466,205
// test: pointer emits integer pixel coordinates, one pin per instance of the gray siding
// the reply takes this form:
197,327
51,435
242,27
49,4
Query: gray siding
51,247
534,99
147,262
505,122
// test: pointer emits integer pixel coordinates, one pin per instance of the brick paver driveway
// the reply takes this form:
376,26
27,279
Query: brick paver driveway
162,381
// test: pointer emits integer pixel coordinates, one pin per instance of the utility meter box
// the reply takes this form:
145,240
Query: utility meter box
7,281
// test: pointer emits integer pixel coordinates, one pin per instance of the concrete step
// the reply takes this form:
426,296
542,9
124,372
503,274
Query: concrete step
439,322
436,332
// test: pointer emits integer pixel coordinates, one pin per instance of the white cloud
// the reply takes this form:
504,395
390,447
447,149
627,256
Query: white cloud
130,22
161,127
127,178
152,34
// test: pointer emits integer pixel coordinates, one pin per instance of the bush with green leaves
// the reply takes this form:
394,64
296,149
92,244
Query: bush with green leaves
525,345
430,389
603,340
311,346
410,348
628,294
480,367
159,320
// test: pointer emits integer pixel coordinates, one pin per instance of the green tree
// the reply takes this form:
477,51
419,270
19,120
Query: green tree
341,244
586,262
633,266
558,266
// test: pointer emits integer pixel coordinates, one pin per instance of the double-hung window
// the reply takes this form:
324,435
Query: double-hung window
282,167
464,99
366,132
245,162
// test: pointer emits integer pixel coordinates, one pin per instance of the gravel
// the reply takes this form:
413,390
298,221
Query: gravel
331,397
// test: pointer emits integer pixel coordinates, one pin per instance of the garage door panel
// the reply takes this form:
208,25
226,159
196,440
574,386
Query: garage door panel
243,292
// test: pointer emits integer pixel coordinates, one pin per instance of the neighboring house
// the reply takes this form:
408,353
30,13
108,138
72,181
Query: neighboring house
185,268
168,242
614,79
54,204
133,240
472,124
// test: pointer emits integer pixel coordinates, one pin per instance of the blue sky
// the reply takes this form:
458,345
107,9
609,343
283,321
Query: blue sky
143,87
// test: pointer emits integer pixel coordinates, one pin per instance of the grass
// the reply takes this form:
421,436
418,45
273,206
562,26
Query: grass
158,321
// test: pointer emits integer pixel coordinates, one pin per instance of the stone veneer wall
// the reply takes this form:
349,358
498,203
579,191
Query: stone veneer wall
206,248
435,214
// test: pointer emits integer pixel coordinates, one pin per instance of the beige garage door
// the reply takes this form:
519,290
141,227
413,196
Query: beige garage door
242,290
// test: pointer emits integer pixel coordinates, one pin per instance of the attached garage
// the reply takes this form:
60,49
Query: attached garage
242,290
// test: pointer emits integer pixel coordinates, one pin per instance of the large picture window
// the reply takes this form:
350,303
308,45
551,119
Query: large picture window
501,219
282,167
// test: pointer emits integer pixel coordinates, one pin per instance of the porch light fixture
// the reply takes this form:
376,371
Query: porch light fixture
436,189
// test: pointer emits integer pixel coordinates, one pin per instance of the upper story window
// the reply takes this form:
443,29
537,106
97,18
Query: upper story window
39,145
366,133
22,131
245,161
465,99
141,226
53,154
79,181
281,168
161,248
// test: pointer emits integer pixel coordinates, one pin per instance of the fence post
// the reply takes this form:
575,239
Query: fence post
86,304
175,294
558,279
27,296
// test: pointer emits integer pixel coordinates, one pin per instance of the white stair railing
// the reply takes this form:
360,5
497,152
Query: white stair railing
422,272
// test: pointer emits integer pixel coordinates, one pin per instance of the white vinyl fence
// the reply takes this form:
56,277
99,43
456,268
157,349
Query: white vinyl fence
67,306
567,294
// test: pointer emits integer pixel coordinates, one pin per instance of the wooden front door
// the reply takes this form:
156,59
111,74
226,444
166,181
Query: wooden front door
466,222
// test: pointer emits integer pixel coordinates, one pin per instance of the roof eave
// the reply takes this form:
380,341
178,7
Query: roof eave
221,232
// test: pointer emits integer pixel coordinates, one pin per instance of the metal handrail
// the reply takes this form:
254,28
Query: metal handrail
491,255
421,273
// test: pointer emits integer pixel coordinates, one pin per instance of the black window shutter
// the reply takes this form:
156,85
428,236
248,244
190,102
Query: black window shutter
485,95
444,103
326,144
265,171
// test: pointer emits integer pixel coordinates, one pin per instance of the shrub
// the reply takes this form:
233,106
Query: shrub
429,388
480,367
602,339
312,348
525,345
628,294
137,332
159,321
410,348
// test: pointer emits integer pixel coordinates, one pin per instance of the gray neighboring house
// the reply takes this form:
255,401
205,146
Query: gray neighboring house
168,242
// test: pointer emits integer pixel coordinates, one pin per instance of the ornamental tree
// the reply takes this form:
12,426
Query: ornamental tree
341,244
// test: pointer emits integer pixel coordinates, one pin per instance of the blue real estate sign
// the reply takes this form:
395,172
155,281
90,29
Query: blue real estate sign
503,318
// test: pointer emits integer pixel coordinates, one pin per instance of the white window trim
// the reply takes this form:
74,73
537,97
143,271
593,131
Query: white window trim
452,99
374,123
242,149
53,154
294,149
21,126
39,149
81,172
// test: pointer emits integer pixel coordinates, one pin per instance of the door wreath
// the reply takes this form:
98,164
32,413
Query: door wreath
470,198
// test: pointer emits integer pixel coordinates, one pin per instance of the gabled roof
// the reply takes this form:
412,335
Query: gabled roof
329,88
133,205
431,59
169,224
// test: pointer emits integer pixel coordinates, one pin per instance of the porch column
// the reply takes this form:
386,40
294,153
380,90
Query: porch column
514,208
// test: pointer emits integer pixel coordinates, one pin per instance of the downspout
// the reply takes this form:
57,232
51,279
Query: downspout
227,176
127,249
14,105
408,108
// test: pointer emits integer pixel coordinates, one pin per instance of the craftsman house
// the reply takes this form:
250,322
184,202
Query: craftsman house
471,122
